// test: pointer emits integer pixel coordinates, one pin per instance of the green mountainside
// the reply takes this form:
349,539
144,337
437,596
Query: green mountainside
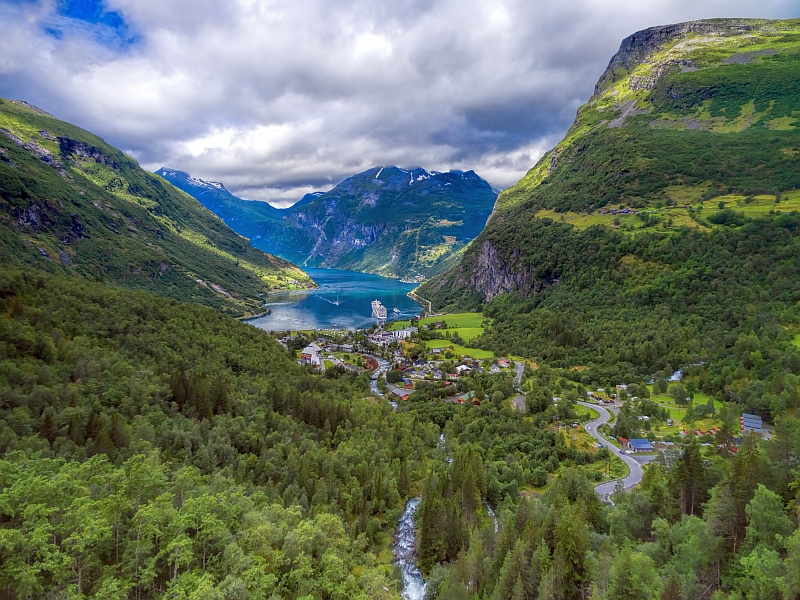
71,203
395,222
663,230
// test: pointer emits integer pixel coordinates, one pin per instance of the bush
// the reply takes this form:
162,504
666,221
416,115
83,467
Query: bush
394,376
729,217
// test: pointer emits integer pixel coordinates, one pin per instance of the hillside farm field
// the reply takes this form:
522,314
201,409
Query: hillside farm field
467,325
459,350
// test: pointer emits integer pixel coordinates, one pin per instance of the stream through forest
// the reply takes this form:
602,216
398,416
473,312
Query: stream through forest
405,553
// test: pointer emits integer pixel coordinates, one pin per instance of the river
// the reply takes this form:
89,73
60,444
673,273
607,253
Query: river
405,553
342,301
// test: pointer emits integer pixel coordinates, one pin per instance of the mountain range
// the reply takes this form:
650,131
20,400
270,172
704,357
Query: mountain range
71,203
396,222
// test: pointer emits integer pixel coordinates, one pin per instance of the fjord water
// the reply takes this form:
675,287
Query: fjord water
342,301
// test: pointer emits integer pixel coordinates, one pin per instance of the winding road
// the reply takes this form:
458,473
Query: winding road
634,476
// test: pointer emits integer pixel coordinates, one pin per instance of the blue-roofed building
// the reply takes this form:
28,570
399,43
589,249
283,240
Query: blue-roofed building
640,445
750,422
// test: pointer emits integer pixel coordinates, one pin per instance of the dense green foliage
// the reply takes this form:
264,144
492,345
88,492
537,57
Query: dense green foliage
700,526
719,301
156,447
195,416
151,448
71,203
390,221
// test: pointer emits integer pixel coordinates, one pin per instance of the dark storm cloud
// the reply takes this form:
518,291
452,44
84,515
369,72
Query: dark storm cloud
277,98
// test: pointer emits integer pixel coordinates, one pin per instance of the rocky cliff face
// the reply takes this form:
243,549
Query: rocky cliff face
636,48
493,274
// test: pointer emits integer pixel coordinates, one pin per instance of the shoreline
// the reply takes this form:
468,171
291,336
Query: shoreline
421,301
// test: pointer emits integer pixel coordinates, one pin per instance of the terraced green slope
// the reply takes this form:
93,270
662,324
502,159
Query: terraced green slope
664,230
69,202
687,120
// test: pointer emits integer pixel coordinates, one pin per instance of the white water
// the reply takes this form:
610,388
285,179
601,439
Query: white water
405,553
373,383
492,515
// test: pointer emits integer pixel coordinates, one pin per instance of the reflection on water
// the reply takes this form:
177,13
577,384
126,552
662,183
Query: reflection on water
342,301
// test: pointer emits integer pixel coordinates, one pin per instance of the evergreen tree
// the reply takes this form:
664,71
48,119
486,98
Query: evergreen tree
690,477
571,540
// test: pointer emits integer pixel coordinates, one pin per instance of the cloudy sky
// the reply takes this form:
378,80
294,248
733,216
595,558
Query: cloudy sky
276,98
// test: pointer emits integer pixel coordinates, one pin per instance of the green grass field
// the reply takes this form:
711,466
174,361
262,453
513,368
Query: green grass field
454,321
758,206
677,414
618,469
586,414
459,350
467,325
796,340
673,218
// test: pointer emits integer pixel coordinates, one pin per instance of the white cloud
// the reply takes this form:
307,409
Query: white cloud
275,98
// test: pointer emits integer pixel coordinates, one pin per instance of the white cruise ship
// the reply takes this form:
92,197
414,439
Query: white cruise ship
378,310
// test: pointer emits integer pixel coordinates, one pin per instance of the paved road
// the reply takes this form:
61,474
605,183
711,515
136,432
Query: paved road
518,403
633,478
519,368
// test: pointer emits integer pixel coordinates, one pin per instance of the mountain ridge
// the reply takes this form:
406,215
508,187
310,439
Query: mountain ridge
663,228
69,202
386,220
683,114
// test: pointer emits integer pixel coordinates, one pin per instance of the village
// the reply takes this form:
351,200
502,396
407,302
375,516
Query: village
429,354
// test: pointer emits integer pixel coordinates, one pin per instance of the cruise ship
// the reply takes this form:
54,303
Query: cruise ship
378,310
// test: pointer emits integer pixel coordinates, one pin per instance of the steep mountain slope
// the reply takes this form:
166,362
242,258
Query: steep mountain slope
70,202
387,220
240,215
655,233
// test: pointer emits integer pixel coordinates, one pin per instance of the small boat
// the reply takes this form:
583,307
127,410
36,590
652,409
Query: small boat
396,310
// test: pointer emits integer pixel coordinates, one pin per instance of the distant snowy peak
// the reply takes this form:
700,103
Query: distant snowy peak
194,181
390,174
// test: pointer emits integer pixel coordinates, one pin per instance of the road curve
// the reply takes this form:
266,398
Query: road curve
634,476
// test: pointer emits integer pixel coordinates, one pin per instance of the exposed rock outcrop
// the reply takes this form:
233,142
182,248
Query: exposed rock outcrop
493,275
82,150
636,48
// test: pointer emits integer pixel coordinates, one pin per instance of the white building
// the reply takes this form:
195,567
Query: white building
312,355
405,333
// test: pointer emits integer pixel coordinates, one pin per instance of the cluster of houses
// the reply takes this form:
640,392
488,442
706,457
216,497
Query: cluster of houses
618,211
312,355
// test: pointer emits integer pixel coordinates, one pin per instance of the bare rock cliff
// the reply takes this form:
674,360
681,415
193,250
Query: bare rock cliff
636,48
492,275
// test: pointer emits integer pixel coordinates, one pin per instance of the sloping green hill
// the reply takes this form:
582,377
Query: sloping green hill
70,202
656,234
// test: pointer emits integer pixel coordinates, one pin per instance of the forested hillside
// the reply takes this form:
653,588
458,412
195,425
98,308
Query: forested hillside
701,525
71,203
662,232
157,448
153,447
